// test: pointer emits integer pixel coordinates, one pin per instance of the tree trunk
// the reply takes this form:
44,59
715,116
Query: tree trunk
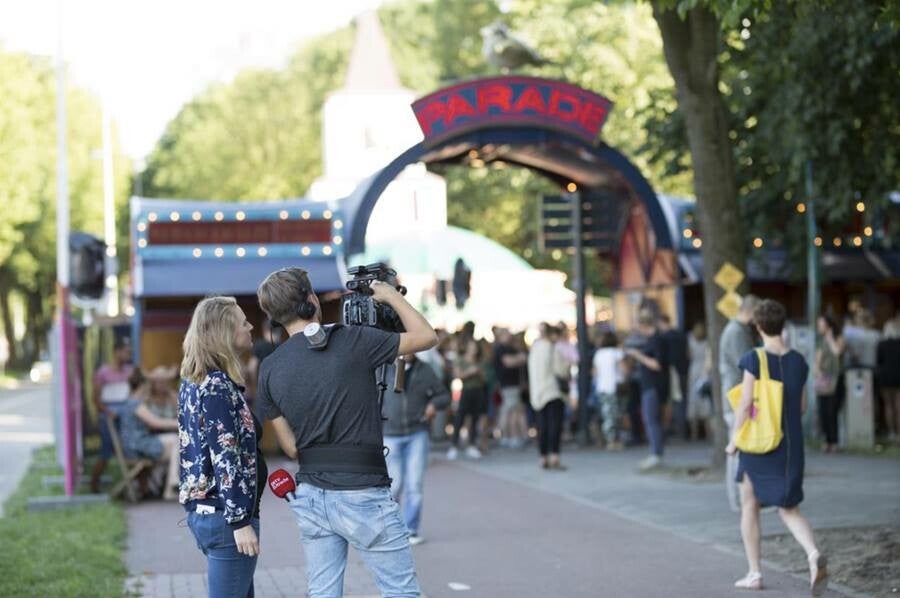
691,47
6,316
37,323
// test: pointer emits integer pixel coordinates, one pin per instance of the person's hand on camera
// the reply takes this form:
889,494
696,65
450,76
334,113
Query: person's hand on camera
383,292
246,540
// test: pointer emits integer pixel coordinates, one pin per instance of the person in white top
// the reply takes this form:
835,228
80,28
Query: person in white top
546,366
699,407
608,375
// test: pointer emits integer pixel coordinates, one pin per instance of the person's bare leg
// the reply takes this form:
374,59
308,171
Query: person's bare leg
99,468
802,532
750,524
172,453
799,528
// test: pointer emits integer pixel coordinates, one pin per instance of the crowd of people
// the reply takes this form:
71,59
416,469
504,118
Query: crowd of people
649,384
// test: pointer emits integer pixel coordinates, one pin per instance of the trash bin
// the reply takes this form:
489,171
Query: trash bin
859,411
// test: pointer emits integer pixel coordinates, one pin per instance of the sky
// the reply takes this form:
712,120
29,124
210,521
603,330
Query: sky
145,59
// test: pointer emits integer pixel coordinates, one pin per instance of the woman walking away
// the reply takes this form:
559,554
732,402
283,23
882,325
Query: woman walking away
545,366
775,478
222,471
827,380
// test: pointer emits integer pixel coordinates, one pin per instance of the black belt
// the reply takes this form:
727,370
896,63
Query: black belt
342,458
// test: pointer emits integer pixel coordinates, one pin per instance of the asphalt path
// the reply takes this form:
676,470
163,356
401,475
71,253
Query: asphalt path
26,422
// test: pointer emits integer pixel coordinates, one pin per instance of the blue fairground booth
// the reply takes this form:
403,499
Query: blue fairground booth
184,250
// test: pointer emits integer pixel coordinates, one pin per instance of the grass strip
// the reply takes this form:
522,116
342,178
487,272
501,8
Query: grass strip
74,552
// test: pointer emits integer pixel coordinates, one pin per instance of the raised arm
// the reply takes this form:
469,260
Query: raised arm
419,334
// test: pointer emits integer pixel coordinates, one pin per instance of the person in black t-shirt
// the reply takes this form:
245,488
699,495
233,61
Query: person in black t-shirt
324,408
508,363
651,377
676,346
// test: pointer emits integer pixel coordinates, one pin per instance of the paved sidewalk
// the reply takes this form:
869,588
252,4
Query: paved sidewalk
500,527
25,424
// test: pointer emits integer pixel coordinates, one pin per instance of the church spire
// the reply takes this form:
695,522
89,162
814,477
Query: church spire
371,67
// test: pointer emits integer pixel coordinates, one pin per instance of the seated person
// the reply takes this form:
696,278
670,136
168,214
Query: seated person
138,423
162,399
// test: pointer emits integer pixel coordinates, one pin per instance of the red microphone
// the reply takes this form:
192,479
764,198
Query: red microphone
282,484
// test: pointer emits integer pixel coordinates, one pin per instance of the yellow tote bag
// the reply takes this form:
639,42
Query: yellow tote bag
761,432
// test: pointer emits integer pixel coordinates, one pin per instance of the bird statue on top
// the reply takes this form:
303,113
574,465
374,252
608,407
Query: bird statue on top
505,51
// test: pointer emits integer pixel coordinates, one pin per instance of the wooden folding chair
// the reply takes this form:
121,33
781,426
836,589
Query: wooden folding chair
131,468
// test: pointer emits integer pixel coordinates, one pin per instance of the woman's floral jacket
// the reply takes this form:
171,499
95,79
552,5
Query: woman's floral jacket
218,446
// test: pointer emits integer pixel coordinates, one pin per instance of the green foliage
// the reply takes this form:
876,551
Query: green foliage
805,82
256,138
74,552
28,177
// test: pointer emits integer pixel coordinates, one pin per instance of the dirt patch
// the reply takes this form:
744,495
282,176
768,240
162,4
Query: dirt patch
866,559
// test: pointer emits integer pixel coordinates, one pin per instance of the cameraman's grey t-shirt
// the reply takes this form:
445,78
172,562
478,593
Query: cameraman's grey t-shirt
329,396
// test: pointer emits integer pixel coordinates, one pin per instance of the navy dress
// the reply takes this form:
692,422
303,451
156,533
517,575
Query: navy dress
777,476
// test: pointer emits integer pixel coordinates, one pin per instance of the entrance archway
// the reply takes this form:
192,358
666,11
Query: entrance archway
547,126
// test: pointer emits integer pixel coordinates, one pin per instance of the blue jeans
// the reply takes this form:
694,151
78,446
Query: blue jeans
369,519
229,573
652,424
406,464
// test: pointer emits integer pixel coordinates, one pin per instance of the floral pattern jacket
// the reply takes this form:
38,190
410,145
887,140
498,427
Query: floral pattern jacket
217,446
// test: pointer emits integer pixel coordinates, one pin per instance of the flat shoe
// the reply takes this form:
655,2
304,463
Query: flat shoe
818,574
752,581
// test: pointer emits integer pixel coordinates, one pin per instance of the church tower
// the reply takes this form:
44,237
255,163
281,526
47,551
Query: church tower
366,124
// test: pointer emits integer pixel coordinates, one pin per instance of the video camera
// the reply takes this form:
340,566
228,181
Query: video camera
359,308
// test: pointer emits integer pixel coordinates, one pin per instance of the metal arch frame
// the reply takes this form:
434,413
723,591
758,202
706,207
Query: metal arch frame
358,206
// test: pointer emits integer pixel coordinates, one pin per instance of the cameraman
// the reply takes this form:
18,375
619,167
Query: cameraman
409,411
324,409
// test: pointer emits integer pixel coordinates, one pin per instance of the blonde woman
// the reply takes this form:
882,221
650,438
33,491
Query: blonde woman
222,469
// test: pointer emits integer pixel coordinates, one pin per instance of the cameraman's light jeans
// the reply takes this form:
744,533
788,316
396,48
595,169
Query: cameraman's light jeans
369,519
406,462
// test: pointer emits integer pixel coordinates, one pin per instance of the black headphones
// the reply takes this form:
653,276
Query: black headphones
306,309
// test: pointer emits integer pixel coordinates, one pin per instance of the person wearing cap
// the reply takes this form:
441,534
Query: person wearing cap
110,391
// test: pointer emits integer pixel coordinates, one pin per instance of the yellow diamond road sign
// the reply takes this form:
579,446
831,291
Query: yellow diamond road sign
728,277
729,305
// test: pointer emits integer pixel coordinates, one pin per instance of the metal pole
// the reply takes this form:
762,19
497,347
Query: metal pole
584,366
109,218
62,264
812,276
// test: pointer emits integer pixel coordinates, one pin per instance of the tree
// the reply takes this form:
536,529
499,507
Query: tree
692,41
805,85
28,190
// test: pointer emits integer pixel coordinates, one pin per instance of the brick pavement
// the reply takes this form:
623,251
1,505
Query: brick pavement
499,528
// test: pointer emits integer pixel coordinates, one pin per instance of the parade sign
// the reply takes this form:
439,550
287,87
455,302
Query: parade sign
510,102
